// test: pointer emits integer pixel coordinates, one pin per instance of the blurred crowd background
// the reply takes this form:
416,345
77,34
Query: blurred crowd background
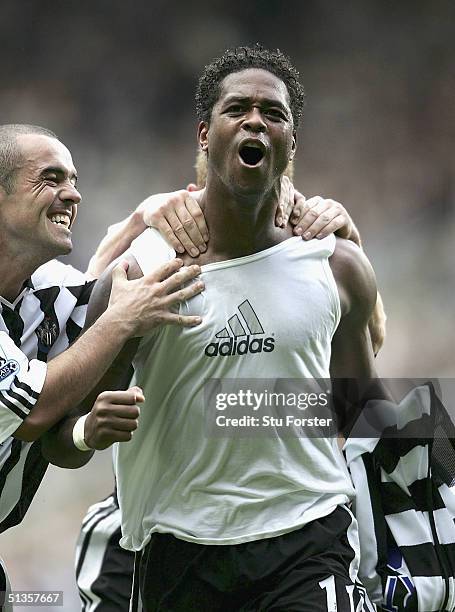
115,80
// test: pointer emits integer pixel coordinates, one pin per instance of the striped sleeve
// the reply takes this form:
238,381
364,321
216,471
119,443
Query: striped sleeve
21,382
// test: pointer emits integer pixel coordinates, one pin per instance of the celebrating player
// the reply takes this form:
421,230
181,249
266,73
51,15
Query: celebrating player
43,304
230,522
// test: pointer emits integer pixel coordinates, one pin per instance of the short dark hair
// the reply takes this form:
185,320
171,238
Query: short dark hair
242,58
10,153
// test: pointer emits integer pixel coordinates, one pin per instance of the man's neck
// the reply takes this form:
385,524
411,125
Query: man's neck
15,270
240,224
11,287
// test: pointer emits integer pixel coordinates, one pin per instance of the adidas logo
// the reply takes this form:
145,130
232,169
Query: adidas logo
242,325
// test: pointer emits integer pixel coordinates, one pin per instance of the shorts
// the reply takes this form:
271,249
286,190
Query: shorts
312,569
104,570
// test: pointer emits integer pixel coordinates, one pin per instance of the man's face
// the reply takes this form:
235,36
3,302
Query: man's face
251,137
40,211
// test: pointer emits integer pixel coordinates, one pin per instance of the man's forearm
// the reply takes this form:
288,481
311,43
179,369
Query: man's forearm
58,448
99,430
115,243
74,373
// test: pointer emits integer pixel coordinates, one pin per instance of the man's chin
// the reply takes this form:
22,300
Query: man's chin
250,186
62,248
67,249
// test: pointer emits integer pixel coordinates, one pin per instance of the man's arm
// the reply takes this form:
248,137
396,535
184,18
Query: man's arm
179,219
134,308
111,407
377,325
318,217
115,418
176,215
352,361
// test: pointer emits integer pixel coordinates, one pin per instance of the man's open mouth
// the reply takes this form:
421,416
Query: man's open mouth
252,153
60,219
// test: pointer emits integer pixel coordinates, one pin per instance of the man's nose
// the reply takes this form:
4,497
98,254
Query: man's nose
254,121
69,193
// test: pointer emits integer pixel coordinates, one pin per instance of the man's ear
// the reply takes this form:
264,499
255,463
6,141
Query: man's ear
202,135
294,146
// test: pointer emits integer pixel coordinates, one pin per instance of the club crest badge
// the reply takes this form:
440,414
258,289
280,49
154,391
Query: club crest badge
8,367
47,334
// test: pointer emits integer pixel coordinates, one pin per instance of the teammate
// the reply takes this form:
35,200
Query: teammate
43,304
230,523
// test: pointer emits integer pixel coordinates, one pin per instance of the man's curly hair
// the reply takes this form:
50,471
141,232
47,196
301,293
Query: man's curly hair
242,58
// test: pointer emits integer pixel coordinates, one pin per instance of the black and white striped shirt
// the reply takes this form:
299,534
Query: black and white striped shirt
44,319
405,503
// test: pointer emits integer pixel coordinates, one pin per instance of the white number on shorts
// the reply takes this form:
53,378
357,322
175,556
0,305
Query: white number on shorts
329,585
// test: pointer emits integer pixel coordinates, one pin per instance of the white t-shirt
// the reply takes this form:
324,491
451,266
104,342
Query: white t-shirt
269,315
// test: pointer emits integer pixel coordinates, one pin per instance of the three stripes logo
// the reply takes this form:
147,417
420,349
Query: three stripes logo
238,337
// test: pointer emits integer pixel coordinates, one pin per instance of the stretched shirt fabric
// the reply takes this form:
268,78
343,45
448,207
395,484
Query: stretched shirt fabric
269,315
405,503
43,320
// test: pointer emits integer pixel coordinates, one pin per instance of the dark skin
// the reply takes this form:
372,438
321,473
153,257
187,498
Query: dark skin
239,204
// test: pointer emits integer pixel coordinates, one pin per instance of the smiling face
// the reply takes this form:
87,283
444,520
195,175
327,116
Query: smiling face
39,212
250,138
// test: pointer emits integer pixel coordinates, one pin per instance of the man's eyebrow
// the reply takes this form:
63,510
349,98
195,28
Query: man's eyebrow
235,98
245,99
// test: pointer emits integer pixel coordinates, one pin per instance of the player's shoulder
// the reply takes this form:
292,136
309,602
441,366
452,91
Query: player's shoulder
350,261
354,275
150,250
55,273
146,253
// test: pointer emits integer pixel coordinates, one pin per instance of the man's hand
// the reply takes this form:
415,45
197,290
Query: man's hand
179,219
176,215
113,418
377,325
146,303
287,202
316,217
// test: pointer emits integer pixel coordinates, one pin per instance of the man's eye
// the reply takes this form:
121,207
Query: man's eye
235,109
275,113
51,178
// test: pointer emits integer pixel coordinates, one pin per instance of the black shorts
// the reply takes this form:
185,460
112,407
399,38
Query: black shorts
312,569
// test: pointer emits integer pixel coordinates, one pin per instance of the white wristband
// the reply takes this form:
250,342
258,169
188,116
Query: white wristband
78,434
